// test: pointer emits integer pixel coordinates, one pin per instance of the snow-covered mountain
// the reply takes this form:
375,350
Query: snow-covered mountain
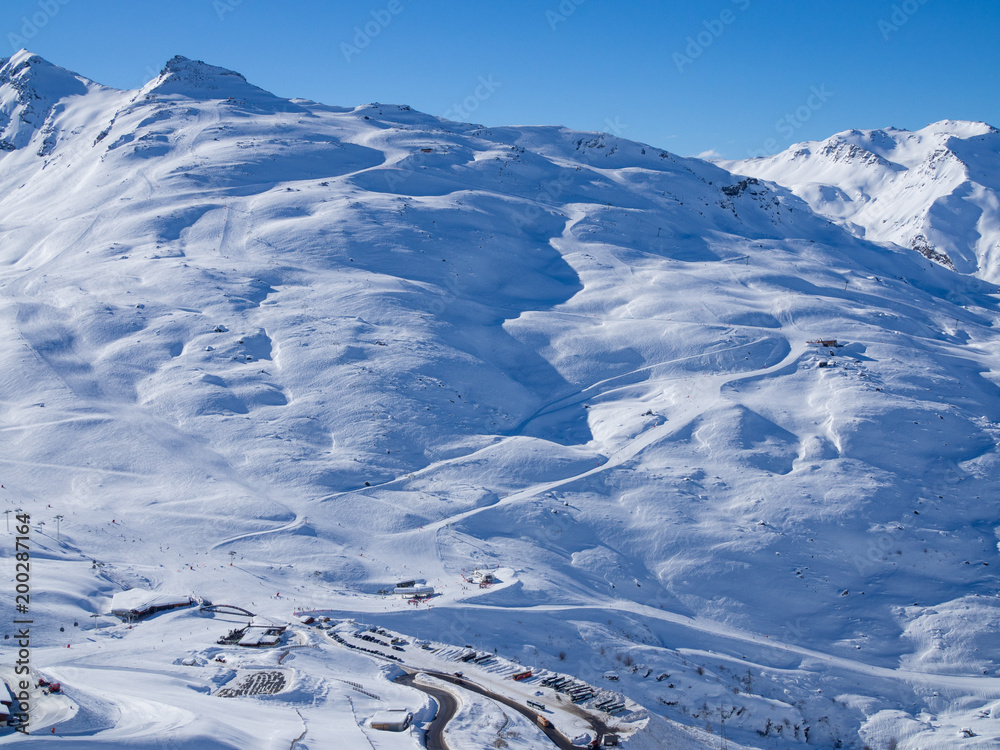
936,190
282,355
33,94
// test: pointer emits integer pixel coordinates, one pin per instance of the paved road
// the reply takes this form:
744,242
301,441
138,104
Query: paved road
557,738
447,708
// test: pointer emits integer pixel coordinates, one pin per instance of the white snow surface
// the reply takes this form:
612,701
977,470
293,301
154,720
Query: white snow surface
282,355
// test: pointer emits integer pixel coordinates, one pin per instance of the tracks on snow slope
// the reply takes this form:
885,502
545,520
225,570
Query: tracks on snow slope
706,392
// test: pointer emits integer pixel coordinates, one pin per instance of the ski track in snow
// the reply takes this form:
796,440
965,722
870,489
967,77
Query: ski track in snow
291,526
708,387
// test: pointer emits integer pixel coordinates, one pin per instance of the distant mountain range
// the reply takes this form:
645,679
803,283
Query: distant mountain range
934,190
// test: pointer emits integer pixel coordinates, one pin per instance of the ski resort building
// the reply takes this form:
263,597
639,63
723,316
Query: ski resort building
482,578
392,720
135,604
262,632
407,592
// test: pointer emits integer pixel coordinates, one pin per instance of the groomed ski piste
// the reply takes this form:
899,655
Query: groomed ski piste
724,458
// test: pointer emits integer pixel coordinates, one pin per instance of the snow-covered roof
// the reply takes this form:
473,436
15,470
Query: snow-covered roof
259,621
398,716
410,590
141,600
258,637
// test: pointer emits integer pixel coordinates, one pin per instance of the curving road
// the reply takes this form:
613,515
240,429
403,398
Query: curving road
437,726
447,708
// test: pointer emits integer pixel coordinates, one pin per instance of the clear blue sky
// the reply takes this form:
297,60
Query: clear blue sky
733,76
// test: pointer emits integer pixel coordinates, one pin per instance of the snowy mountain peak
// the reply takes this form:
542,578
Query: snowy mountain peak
935,190
197,71
32,74
195,79
30,87
20,60
837,150
902,148
959,128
